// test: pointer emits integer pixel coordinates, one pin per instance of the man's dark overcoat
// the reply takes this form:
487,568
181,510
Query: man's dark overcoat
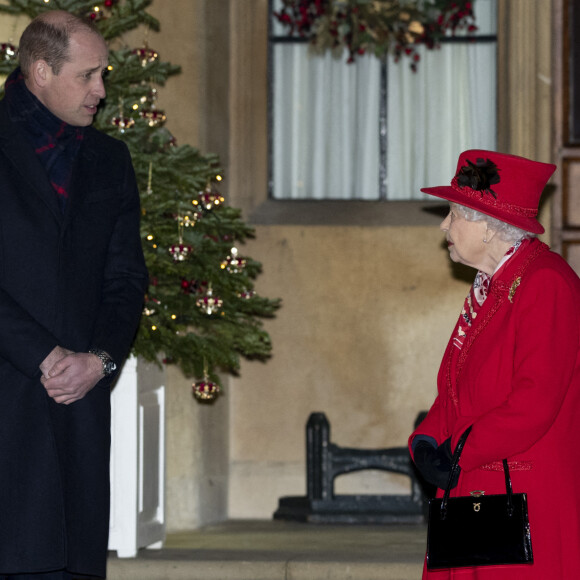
76,280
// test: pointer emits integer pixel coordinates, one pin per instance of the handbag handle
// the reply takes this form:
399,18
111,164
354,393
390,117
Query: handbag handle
454,467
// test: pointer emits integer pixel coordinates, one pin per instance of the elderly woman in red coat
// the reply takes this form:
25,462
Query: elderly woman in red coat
511,369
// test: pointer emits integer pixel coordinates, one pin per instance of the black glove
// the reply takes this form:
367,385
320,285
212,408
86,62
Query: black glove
434,463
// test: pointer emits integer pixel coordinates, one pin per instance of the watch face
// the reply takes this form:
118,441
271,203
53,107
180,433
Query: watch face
109,368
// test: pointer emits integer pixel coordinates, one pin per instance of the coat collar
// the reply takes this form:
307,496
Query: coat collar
17,149
502,290
506,283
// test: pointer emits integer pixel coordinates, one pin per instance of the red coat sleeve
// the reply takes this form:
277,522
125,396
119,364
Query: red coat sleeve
430,426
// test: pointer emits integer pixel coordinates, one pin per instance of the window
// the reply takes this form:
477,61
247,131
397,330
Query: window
374,129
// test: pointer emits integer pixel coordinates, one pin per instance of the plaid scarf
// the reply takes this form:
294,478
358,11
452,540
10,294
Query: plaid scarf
55,142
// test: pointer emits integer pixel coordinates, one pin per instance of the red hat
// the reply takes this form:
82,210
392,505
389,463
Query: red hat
503,186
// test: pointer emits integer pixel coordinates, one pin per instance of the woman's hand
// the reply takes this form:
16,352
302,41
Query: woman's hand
434,463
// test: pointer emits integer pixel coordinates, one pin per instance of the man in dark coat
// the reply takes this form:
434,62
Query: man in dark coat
72,279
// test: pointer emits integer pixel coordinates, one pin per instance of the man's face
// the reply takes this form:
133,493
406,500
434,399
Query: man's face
74,94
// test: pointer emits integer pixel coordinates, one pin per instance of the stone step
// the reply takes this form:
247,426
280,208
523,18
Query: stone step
280,550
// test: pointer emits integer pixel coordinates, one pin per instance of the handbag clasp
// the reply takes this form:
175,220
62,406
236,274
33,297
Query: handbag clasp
477,493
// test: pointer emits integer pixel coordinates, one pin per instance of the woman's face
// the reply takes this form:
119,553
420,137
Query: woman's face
465,239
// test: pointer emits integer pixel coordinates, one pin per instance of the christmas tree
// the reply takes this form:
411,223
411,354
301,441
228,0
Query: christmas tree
201,311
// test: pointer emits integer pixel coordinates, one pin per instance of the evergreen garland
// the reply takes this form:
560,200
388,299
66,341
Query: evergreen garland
375,26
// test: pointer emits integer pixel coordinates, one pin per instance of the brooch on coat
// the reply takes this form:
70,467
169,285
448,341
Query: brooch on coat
513,288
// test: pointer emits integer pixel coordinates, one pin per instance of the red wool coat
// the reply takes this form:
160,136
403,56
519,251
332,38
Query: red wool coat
517,381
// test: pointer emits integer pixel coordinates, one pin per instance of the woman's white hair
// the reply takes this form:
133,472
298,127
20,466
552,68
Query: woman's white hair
505,231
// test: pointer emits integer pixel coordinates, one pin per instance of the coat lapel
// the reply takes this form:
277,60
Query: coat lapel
81,181
18,150
502,289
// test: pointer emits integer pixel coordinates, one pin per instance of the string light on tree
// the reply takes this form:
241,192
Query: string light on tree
96,13
151,238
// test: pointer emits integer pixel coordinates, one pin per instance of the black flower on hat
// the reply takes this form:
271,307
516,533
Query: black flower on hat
479,176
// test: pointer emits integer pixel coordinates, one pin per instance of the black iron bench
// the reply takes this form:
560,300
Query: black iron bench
325,461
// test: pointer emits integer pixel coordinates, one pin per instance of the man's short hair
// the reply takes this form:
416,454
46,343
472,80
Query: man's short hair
47,38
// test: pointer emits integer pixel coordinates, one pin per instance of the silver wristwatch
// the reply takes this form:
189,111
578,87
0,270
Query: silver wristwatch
109,366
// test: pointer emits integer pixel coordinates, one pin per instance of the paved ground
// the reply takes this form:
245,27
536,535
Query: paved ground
281,550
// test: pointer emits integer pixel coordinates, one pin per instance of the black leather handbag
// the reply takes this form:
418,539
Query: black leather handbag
478,530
